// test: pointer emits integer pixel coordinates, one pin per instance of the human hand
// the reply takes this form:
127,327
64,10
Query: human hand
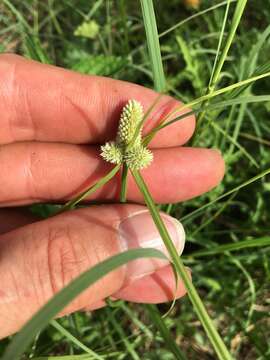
52,124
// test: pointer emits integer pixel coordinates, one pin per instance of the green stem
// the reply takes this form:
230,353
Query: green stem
239,245
74,340
191,215
70,204
200,100
169,340
219,64
151,31
240,7
123,193
198,305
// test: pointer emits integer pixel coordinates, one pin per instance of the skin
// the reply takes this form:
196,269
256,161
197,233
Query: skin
52,124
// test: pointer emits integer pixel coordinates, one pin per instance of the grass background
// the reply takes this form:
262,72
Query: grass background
233,285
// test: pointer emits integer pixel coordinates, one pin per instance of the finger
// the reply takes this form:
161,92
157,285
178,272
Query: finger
36,172
46,103
12,218
155,288
39,259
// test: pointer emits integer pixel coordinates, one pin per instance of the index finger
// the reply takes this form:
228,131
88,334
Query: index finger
41,102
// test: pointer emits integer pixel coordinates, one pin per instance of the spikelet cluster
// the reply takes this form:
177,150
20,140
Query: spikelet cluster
112,153
131,116
138,158
125,149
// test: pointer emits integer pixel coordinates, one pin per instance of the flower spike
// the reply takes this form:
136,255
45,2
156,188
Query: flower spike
135,155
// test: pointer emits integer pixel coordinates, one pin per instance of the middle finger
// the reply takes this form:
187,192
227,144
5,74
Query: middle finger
42,172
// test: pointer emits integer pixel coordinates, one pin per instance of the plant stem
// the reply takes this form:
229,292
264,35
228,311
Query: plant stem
192,214
123,193
200,100
40,320
74,340
240,7
219,64
150,26
198,305
194,16
70,204
169,340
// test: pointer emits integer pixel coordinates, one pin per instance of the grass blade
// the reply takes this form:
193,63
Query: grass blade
30,39
236,143
72,203
40,320
74,340
218,105
220,42
150,26
191,215
64,357
134,317
169,341
250,243
240,7
130,345
194,16
214,337
251,69
218,65
201,99
214,106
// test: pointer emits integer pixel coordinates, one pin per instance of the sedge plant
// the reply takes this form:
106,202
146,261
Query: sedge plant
131,152
128,152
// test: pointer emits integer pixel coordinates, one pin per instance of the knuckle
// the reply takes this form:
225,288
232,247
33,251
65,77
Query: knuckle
7,108
40,175
64,255
34,174
14,101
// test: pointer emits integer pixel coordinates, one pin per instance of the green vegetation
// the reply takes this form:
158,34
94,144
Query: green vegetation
228,228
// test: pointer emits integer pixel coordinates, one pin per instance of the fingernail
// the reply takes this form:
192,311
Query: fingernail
139,231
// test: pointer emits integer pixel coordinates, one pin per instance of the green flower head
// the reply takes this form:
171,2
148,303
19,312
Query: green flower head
126,149
111,153
131,116
138,157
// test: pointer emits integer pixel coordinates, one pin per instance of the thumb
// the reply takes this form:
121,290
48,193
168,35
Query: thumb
39,259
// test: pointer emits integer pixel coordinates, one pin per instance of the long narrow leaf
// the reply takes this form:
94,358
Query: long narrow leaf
64,357
221,35
209,327
215,76
194,213
244,244
72,203
150,26
194,16
169,340
217,93
241,4
39,321
213,106
236,143
75,341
